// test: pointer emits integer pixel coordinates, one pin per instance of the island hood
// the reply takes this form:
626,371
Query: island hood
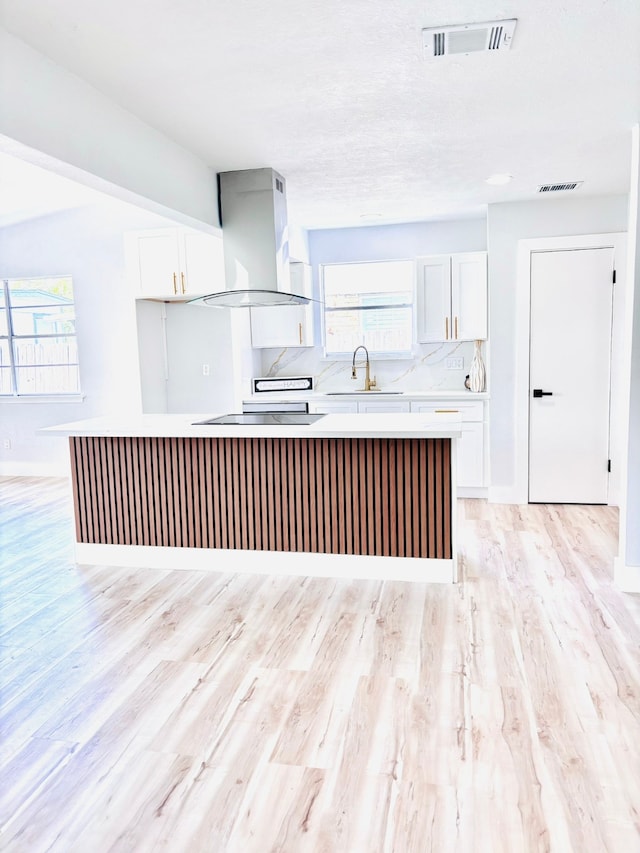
253,215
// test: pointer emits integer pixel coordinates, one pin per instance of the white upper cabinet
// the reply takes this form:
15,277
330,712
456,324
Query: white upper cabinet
451,297
288,325
175,264
469,296
433,298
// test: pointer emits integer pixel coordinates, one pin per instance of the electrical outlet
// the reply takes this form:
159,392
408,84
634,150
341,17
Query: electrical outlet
205,369
455,363
6,443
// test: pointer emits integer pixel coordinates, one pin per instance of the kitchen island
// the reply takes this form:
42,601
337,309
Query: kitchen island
367,495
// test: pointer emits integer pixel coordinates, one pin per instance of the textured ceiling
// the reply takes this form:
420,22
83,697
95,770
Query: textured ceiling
336,96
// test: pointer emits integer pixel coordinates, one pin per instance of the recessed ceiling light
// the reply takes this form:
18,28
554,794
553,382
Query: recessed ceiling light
499,179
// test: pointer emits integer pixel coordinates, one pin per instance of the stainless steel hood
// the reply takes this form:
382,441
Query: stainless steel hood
253,214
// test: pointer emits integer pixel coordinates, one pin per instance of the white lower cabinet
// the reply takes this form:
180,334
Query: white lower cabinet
471,455
331,408
470,467
383,406
352,407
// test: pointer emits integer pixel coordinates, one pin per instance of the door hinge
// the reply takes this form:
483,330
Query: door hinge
609,465
614,277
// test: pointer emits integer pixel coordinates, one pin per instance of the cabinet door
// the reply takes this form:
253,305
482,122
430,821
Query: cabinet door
433,299
280,327
471,455
158,256
291,325
329,408
202,267
469,296
469,410
383,406
470,467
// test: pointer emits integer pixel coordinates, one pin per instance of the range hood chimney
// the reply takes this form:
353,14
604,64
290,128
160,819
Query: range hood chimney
253,214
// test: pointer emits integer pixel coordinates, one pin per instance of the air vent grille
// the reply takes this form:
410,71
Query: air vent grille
495,38
559,188
467,38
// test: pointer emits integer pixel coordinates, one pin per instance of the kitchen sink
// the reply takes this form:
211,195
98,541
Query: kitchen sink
351,393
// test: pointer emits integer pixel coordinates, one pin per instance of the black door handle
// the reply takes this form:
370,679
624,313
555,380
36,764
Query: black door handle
538,392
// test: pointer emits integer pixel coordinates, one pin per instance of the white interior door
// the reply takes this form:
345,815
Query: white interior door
569,375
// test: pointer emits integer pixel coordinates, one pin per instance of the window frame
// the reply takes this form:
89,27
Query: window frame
378,354
11,336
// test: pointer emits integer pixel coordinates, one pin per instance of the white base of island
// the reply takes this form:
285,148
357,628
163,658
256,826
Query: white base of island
290,563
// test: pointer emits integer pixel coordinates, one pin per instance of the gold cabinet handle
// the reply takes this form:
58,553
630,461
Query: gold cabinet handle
182,283
446,328
448,411
175,283
455,322
300,331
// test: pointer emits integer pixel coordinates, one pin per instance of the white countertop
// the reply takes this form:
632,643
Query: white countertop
383,425
312,396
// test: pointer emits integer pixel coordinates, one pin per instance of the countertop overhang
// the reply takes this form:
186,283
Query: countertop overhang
370,425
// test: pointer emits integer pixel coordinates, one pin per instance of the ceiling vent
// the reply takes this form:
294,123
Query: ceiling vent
467,38
559,188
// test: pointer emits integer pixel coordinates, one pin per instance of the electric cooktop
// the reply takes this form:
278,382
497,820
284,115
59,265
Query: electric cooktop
261,418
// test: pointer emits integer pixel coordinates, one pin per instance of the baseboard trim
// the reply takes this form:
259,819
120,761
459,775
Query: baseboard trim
504,495
288,563
479,492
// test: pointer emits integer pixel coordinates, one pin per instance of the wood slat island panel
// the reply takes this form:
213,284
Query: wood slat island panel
363,496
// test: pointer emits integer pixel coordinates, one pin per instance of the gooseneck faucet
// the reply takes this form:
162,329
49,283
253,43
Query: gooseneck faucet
369,383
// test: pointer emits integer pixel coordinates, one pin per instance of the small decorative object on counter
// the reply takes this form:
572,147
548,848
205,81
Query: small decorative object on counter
477,372
466,382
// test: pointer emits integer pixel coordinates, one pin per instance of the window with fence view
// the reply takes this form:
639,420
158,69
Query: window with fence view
38,348
368,303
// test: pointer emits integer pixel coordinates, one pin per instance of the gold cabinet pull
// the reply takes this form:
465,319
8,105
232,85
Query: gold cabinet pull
182,283
175,283
448,411
446,328
455,322
300,331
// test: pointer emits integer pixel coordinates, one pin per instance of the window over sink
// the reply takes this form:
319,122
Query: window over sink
368,303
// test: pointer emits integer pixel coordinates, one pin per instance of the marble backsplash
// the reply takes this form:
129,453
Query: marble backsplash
426,371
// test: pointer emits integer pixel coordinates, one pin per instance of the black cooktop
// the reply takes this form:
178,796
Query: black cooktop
261,418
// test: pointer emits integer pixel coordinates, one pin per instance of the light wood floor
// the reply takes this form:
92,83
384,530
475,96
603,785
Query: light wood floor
185,711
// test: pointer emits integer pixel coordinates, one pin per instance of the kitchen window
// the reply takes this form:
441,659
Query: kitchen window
38,347
368,303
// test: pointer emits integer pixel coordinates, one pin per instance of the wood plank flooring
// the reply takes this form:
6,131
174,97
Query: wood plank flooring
146,710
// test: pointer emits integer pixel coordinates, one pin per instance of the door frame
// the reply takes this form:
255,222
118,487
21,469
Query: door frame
618,401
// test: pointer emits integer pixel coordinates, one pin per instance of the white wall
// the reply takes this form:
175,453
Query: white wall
152,355
506,225
628,563
375,243
176,340
198,336
55,119
88,245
